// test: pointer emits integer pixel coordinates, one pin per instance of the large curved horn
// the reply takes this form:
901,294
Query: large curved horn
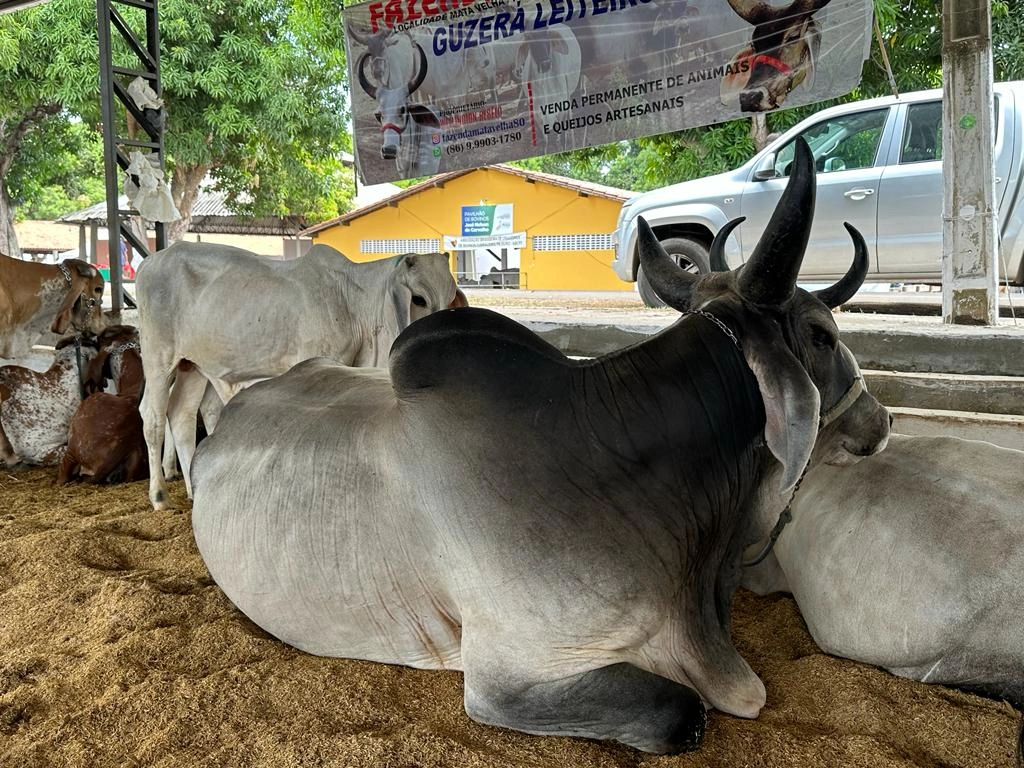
769,275
757,12
360,34
717,254
369,87
417,81
850,283
670,281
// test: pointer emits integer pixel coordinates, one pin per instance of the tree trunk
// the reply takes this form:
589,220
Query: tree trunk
185,183
8,237
10,144
759,131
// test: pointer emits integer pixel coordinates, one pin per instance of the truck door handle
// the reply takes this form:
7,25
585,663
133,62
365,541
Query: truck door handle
859,194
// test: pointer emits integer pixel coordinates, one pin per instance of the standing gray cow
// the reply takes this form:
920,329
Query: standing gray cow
567,533
406,128
912,561
237,318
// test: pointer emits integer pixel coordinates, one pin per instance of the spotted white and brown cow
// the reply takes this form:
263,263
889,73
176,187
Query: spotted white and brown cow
36,406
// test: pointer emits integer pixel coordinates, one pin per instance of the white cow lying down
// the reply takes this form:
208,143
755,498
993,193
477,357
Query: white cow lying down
913,560
237,318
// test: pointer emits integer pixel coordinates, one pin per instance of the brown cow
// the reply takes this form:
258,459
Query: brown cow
36,407
36,297
105,440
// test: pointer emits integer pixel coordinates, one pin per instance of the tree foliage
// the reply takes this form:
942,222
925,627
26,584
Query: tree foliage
254,94
48,68
59,169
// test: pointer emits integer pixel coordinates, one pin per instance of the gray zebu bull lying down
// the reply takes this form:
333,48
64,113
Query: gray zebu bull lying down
567,533
238,317
912,561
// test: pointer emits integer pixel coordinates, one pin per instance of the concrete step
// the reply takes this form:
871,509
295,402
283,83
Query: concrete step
948,391
1001,429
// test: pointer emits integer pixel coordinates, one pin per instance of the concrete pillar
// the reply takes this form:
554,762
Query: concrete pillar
970,236
94,241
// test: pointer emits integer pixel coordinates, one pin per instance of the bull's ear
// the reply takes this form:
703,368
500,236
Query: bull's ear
791,405
401,299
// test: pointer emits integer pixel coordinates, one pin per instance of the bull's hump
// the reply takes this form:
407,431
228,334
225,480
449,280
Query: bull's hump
471,347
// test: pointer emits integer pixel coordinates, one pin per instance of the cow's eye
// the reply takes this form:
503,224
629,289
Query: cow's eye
822,337
419,301
98,289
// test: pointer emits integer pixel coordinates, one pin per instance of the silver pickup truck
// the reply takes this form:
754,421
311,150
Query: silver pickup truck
879,167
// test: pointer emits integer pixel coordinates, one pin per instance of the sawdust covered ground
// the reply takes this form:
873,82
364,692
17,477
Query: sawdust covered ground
117,649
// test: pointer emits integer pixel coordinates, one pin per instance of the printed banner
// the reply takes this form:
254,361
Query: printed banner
441,85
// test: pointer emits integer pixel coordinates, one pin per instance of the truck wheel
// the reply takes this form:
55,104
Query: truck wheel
691,255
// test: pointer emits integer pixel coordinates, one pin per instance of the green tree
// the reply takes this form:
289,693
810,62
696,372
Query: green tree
253,90
59,170
48,68
255,98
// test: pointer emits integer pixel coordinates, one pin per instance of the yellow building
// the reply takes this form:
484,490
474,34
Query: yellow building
557,231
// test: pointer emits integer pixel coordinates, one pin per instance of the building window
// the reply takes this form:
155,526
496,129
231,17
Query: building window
416,245
573,243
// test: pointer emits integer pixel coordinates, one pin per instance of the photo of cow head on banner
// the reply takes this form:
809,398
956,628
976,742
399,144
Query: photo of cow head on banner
441,85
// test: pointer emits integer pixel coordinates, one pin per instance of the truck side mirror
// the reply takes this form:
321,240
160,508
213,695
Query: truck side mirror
766,169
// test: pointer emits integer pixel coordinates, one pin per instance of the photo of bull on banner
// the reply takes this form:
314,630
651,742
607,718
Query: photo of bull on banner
444,85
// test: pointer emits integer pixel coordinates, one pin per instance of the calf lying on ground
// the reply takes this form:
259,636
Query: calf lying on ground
105,440
36,407
912,560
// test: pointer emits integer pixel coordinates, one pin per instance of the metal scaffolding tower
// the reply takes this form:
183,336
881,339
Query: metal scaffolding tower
116,161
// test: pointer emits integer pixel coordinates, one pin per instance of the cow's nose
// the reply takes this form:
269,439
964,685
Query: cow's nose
389,152
751,101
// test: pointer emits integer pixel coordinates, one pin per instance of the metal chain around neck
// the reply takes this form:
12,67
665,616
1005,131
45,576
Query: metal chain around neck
717,321
66,272
124,347
784,517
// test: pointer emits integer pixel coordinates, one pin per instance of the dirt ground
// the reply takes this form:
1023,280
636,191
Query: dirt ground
117,649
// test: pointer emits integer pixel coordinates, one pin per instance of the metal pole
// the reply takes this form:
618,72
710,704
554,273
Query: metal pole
970,235
110,154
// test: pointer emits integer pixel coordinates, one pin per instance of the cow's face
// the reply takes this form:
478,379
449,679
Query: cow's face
813,394
391,90
82,308
781,55
853,424
393,118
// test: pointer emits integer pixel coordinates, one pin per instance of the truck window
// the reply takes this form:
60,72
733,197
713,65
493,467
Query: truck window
922,135
842,143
